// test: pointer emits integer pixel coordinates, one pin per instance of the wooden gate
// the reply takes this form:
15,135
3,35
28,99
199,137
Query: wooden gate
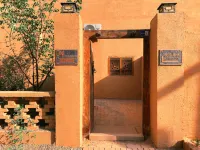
92,70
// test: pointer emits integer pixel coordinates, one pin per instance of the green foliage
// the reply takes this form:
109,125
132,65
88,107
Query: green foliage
17,130
31,25
78,2
11,79
197,142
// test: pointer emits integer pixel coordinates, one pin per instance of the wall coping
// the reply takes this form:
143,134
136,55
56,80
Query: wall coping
27,94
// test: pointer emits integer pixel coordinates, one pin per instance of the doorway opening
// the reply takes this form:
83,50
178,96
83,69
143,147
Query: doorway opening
112,110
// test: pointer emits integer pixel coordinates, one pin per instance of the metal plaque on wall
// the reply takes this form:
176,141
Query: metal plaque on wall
66,57
170,57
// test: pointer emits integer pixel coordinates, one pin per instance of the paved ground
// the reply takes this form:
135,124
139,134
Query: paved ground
122,145
117,117
115,113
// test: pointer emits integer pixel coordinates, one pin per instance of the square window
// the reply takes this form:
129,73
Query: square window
126,66
114,68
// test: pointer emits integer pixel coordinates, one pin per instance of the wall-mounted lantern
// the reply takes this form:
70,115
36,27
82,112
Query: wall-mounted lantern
167,8
69,7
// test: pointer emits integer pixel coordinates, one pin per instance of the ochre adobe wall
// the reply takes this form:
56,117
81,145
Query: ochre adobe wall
118,87
170,82
116,14
69,82
137,14
38,116
153,80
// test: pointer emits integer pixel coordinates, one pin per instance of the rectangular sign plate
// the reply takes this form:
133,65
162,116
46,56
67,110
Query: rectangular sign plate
170,58
66,57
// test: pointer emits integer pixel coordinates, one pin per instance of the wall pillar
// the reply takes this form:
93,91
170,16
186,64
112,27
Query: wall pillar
166,82
69,81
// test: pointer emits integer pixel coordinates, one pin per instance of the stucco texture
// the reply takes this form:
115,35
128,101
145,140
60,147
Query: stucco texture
174,109
175,106
170,82
177,99
68,82
170,119
118,87
153,80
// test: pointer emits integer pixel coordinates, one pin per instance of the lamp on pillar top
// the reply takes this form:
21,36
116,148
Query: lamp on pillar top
167,8
69,7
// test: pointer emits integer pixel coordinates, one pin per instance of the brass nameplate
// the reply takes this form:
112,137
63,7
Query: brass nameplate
66,57
170,57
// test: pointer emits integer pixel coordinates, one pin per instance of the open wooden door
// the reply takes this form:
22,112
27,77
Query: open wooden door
92,70
146,88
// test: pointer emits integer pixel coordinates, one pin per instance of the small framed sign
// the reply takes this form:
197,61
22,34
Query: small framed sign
66,57
170,57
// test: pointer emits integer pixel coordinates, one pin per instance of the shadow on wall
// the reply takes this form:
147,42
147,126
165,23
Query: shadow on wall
190,107
49,84
193,105
187,122
12,78
177,83
121,87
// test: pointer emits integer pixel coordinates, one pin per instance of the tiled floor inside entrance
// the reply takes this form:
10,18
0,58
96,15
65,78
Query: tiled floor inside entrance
118,113
118,145
119,118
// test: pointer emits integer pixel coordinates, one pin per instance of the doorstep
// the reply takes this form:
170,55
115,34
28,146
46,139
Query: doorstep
115,137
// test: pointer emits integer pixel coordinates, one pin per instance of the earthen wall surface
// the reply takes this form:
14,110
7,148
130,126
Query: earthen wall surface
117,86
117,15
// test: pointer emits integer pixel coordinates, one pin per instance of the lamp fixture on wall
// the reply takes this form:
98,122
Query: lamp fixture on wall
68,7
167,8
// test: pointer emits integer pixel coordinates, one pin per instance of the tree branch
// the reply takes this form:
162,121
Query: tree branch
50,69
20,68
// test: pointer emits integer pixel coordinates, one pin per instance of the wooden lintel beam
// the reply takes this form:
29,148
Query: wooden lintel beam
117,34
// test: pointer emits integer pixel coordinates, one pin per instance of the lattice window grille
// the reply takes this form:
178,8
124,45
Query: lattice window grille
120,66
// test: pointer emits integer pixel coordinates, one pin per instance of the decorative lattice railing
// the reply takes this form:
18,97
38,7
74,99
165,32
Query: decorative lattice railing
36,106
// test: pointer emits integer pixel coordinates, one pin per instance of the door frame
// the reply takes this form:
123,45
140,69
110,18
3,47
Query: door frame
93,36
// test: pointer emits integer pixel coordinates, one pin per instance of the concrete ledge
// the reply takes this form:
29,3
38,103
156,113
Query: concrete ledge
26,94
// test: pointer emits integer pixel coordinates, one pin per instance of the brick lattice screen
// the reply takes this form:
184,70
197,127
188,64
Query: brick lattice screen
40,110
